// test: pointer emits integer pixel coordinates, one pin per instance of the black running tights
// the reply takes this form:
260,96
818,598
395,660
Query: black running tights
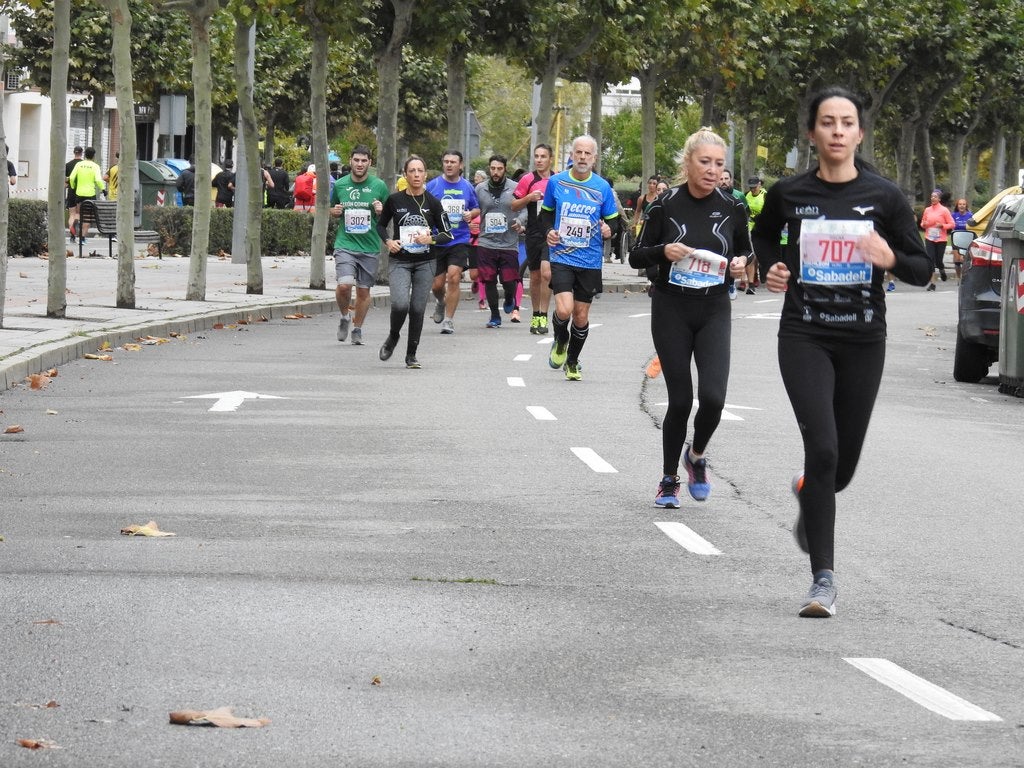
832,387
684,329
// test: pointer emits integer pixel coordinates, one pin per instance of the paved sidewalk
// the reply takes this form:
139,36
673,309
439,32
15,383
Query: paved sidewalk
30,342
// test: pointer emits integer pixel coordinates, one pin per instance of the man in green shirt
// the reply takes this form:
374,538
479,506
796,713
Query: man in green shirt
86,181
357,199
755,202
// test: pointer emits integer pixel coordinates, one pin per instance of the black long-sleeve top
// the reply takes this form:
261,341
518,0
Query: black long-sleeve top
411,213
716,223
850,312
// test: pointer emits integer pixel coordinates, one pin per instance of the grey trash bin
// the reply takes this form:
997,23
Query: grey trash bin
1011,320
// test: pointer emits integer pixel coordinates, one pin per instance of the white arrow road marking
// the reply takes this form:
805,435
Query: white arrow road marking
920,691
540,413
688,539
589,457
515,381
230,401
726,415
521,358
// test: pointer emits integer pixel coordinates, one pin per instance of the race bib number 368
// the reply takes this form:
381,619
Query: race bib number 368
830,253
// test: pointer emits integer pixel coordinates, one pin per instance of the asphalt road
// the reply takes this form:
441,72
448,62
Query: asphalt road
463,566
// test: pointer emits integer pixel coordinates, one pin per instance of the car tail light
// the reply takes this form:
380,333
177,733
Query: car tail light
986,254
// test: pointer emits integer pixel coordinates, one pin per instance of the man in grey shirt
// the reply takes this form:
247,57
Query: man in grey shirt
498,246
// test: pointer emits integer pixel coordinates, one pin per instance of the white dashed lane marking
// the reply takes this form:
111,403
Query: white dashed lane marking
726,414
515,381
688,539
521,358
540,413
642,314
920,691
589,457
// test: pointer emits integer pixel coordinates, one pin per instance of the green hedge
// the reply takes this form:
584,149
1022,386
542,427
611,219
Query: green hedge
283,233
26,227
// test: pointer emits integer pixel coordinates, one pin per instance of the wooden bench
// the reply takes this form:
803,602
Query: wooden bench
102,214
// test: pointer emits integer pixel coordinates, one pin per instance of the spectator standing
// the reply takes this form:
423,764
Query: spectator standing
225,185
279,196
305,189
186,184
112,177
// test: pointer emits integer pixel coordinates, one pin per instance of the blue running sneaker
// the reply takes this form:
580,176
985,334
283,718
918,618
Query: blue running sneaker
820,602
494,322
697,482
510,304
556,359
668,493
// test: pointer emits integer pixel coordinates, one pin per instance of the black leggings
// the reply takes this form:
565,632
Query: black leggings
687,328
832,386
937,252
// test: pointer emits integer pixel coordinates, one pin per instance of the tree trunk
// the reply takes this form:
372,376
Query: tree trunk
98,115
748,161
389,72
997,171
253,212
5,193
456,62
545,117
202,82
596,93
270,142
905,157
971,172
57,269
925,163
957,186
803,144
1013,157
318,119
648,120
121,25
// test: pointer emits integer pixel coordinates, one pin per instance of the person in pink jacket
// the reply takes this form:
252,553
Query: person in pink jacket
937,222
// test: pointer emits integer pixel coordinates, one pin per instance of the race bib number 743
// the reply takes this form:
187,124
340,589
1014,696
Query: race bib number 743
830,253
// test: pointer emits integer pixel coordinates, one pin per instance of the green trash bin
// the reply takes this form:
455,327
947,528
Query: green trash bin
157,184
1011,319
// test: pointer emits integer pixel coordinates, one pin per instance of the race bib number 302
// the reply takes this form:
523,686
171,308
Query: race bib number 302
357,221
830,253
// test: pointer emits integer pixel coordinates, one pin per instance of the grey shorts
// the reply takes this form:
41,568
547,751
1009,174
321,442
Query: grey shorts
355,268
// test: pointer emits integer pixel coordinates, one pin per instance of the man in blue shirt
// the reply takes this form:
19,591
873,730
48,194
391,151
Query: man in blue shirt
579,212
459,201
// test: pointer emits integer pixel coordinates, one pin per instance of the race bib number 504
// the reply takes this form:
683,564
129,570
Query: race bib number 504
830,253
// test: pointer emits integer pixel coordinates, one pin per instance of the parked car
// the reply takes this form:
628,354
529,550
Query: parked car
981,217
979,299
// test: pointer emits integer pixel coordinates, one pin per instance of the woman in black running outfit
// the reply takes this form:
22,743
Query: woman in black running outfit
696,235
417,222
847,226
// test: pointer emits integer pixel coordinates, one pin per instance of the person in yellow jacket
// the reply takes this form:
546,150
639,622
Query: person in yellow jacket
86,181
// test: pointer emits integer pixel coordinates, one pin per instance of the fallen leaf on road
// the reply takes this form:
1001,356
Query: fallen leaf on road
150,529
376,680
51,412
219,718
174,335
52,373
1,538
154,339
131,347
37,744
218,326
47,621
297,317
22,274
47,705
37,380
14,429
90,356
104,346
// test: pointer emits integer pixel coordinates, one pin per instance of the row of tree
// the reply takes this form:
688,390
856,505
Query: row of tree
936,75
